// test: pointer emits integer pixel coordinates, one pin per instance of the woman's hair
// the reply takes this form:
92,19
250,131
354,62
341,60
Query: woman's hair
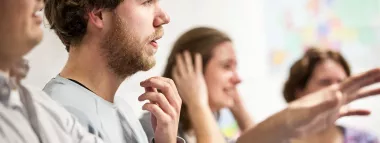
202,40
302,70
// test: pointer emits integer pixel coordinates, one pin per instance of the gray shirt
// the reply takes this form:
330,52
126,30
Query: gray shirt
115,123
35,118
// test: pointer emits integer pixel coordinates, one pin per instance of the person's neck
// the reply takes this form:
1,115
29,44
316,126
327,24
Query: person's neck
330,135
4,73
5,67
87,66
214,109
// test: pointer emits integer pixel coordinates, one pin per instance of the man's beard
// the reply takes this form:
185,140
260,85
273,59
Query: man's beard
123,50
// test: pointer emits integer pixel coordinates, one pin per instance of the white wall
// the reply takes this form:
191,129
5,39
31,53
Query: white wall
242,20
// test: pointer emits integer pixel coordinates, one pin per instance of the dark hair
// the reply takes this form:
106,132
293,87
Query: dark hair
202,40
302,70
68,18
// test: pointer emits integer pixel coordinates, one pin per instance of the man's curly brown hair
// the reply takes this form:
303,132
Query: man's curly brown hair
68,18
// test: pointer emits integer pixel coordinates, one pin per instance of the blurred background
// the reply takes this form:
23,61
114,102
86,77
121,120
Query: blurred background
268,36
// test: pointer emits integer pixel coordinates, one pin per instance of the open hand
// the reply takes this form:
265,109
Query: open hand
189,79
317,111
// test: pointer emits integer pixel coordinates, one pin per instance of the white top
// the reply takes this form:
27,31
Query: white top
55,124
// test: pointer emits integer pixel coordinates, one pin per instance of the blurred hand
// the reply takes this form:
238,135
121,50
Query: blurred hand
317,111
240,112
165,107
189,79
237,98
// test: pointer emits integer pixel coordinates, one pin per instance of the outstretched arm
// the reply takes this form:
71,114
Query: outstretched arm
314,112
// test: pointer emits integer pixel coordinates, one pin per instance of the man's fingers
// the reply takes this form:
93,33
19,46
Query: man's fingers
155,97
150,89
155,110
173,87
167,87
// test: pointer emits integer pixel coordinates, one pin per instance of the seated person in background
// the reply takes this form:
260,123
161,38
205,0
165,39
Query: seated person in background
220,80
317,69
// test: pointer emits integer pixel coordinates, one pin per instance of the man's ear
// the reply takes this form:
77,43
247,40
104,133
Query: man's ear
95,17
